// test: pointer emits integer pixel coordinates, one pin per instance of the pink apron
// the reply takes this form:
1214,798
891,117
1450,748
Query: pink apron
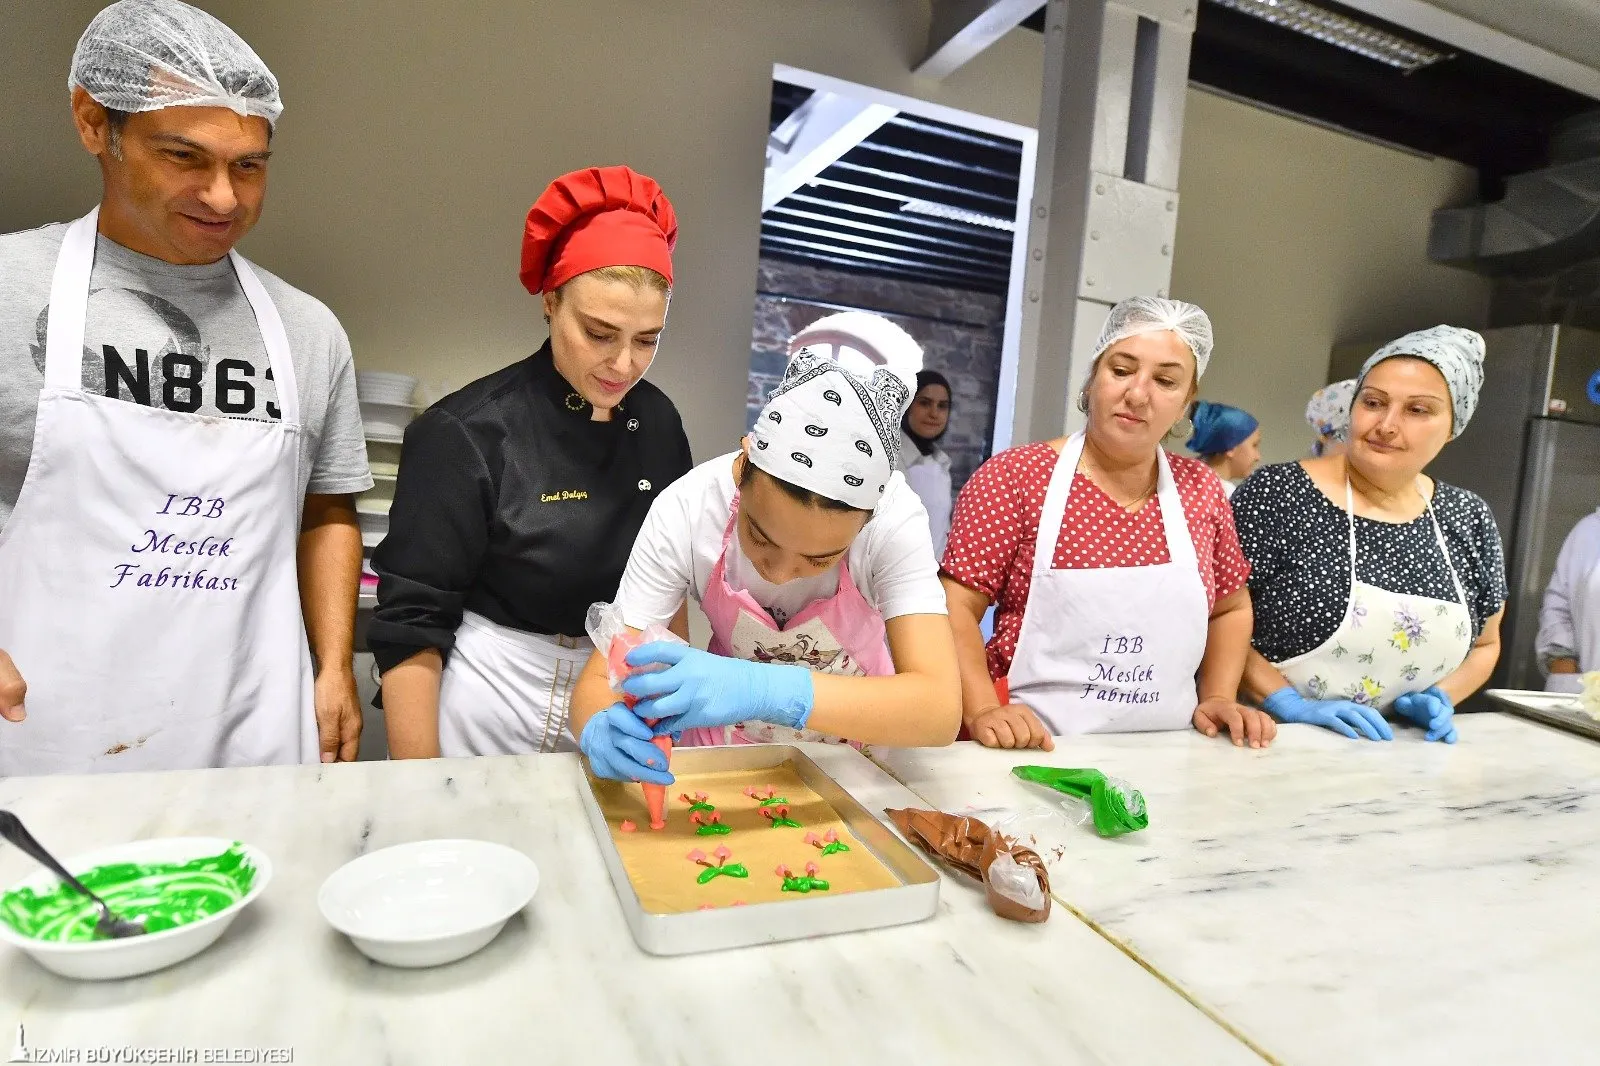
842,634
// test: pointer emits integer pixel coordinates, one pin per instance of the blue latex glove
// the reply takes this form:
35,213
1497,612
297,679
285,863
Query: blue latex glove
1287,705
1432,710
699,690
618,745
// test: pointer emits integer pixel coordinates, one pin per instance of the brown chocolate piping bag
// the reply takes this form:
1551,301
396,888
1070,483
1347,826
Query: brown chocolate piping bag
971,847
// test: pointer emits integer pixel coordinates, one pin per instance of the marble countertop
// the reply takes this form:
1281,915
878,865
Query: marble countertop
1337,901
564,983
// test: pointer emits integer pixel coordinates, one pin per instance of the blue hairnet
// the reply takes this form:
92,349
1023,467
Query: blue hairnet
1219,428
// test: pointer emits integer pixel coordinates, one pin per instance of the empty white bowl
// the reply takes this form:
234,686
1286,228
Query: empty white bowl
386,421
429,902
99,960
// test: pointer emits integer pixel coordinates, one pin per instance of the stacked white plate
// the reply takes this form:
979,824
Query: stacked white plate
386,407
380,386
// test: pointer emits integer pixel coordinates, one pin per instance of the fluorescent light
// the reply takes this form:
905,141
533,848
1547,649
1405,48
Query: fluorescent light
1339,31
957,214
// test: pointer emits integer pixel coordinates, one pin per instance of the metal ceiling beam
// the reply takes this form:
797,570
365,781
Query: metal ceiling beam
871,242
1433,20
862,257
926,183
814,137
938,161
1000,255
960,29
939,129
1001,241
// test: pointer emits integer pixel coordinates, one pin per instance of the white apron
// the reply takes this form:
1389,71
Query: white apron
148,585
929,478
1388,643
508,692
1112,650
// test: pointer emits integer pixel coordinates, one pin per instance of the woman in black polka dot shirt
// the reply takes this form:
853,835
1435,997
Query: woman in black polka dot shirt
1374,586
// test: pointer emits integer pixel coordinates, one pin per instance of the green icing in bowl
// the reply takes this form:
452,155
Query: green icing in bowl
164,894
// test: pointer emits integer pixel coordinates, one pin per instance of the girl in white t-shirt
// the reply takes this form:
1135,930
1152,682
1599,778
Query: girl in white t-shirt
811,558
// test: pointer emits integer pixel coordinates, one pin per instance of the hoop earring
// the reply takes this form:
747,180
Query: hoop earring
1183,428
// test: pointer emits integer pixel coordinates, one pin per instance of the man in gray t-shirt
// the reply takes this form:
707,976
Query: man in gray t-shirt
178,111
180,338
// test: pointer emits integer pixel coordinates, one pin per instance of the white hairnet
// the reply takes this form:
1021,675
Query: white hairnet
1153,314
143,55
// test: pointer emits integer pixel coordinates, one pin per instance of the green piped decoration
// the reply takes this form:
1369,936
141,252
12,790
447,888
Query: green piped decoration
779,816
733,869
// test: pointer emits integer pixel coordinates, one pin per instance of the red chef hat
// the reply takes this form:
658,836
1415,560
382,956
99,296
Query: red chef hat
599,217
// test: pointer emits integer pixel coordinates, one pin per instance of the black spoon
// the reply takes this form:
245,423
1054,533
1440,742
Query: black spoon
109,925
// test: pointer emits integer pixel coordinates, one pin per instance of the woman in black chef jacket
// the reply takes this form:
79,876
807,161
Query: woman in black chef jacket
520,496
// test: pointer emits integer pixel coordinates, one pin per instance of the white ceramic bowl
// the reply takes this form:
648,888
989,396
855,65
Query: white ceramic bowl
382,387
386,420
429,902
98,960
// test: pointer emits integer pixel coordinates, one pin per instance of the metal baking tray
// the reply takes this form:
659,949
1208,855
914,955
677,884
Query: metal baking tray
1558,709
915,899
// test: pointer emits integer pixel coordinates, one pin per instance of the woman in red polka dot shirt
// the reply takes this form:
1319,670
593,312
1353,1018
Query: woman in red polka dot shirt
1137,616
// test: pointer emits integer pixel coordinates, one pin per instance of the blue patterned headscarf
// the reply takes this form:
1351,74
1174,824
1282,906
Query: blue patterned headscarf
1219,428
1455,352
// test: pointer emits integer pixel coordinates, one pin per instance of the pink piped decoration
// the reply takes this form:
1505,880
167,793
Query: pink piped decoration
716,818
697,856
830,837
782,809
694,819
627,826
812,839
783,871
700,797
811,869
708,906
750,790
737,903
722,852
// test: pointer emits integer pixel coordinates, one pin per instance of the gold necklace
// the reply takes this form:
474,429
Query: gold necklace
1131,506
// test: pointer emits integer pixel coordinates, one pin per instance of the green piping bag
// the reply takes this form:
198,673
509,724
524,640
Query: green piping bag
1117,807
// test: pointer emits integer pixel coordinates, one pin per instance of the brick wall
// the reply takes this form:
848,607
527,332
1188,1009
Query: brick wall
960,333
